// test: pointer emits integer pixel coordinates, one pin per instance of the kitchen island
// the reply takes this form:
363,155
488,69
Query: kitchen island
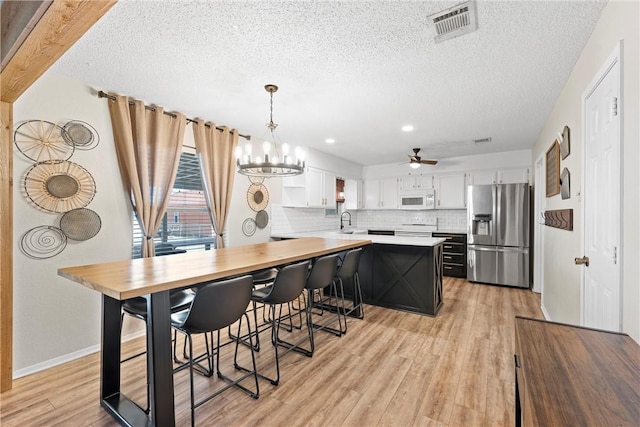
399,272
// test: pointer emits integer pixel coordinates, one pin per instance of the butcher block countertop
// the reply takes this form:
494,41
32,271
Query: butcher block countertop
136,277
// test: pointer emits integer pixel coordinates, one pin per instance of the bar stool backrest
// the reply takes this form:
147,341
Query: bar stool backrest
350,263
218,305
322,272
289,283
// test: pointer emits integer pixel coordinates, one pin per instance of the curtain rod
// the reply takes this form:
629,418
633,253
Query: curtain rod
102,94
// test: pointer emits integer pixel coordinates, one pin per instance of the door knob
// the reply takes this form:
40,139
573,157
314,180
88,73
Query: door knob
584,260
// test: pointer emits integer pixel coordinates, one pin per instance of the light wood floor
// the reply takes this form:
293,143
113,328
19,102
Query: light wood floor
392,368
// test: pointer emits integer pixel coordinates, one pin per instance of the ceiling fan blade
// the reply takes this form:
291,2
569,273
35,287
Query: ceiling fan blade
429,162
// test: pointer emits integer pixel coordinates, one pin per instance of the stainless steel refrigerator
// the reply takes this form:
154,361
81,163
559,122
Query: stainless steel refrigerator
498,234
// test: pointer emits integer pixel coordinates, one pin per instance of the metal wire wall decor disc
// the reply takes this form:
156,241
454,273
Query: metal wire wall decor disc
257,197
59,186
42,141
249,227
80,224
262,219
43,242
256,179
81,135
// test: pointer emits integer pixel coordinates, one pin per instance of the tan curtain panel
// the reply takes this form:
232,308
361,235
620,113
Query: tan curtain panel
215,150
148,145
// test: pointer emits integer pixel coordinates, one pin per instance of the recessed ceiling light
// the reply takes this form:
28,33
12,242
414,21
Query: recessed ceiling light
330,140
407,128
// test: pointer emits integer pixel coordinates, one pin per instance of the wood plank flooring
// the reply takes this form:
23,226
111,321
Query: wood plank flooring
391,369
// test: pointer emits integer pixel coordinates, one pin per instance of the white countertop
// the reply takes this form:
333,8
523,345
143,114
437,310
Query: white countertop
387,240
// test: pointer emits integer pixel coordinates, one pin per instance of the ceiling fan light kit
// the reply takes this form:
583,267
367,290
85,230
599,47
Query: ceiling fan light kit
415,160
276,159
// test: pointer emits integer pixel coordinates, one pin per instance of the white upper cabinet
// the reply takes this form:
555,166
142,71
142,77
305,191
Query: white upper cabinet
381,193
513,176
451,191
314,189
353,194
501,176
482,177
415,182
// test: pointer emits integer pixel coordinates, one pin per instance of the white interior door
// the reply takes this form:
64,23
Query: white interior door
601,191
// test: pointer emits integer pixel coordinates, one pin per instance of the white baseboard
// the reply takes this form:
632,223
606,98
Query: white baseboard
38,367
544,312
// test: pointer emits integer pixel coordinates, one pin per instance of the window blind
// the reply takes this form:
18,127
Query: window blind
186,226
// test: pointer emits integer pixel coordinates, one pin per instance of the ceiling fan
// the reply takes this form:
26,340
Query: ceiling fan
415,160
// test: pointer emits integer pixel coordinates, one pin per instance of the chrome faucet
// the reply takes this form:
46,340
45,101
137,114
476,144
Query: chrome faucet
342,217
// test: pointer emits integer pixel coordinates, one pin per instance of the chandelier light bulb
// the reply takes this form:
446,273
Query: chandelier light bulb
275,159
238,152
247,148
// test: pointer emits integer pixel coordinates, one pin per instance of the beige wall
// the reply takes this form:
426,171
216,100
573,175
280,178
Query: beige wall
561,295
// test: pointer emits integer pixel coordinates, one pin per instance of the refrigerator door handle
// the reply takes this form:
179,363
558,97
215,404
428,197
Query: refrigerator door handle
482,248
512,249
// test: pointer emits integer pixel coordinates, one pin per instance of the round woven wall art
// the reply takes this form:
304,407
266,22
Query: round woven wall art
257,197
249,227
80,224
43,242
256,179
59,186
42,141
262,219
81,135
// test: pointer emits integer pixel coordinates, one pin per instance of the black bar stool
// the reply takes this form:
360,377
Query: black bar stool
322,276
348,270
287,286
216,306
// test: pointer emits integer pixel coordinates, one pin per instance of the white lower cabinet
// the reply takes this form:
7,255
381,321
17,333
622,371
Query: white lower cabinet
381,193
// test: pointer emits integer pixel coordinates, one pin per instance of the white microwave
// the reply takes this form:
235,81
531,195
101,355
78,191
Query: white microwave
418,199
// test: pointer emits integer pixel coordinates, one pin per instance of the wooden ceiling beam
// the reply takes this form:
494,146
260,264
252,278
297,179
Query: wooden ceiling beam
63,23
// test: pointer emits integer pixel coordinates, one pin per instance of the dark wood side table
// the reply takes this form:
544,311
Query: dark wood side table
569,375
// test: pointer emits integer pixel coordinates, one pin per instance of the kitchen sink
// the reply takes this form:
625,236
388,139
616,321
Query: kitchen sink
353,231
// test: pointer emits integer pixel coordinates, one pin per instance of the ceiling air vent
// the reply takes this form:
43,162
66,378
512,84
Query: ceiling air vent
455,21
481,140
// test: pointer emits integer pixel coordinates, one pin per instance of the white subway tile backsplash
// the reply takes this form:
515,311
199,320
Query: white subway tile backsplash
286,220
290,220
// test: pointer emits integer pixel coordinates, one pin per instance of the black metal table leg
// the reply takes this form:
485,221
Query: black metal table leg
110,349
159,365
160,359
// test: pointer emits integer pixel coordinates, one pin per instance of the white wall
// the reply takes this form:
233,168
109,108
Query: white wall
561,297
493,161
55,318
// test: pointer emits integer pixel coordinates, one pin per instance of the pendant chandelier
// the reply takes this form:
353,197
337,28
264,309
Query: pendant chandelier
275,159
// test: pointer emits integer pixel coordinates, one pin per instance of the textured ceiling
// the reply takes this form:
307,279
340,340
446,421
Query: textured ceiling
354,71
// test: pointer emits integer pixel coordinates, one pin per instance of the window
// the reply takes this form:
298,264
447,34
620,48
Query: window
186,225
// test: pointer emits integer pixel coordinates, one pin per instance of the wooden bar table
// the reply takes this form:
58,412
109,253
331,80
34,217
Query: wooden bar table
153,278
